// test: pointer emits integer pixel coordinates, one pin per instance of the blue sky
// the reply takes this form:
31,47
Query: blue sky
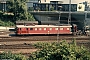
75,1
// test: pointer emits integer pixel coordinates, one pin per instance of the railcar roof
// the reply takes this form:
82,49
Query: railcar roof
26,21
45,22
20,26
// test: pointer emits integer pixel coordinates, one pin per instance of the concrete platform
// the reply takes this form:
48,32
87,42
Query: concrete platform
5,36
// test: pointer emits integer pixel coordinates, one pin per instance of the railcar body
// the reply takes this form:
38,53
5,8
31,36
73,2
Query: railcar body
43,29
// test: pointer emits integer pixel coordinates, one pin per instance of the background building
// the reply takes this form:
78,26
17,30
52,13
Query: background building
50,5
57,5
3,5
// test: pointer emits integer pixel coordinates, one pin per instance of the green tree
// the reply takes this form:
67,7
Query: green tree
19,9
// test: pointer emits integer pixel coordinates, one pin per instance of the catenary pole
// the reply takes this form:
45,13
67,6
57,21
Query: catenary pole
69,18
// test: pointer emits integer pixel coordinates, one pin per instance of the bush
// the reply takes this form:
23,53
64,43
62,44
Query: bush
52,9
10,56
6,23
53,51
60,51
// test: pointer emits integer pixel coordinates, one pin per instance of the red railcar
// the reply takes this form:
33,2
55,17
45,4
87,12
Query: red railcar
43,29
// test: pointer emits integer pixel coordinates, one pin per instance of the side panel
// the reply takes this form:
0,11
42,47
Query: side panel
23,31
65,30
50,30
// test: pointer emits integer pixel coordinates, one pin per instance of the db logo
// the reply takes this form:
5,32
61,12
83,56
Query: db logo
79,7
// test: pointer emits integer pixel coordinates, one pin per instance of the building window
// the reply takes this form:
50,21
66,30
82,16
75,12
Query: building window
56,28
44,28
35,28
61,28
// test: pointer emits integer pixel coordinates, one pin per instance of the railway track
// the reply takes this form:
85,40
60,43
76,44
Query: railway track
42,38
30,46
18,44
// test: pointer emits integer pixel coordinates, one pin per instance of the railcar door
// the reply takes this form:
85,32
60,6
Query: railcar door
17,30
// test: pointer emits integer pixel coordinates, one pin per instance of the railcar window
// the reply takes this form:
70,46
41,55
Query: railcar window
31,28
44,28
50,29
27,28
40,28
61,28
67,28
35,28
56,28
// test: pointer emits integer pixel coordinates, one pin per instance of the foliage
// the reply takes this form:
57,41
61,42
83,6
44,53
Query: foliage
30,17
30,9
52,8
6,23
53,51
60,51
1,14
6,20
16,10
46,8
19,8
10,56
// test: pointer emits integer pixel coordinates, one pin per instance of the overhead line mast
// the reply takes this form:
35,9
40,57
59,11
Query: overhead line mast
69,18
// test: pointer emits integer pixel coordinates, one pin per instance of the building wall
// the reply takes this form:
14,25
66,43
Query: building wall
56,0
30,3
76,17
45,1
